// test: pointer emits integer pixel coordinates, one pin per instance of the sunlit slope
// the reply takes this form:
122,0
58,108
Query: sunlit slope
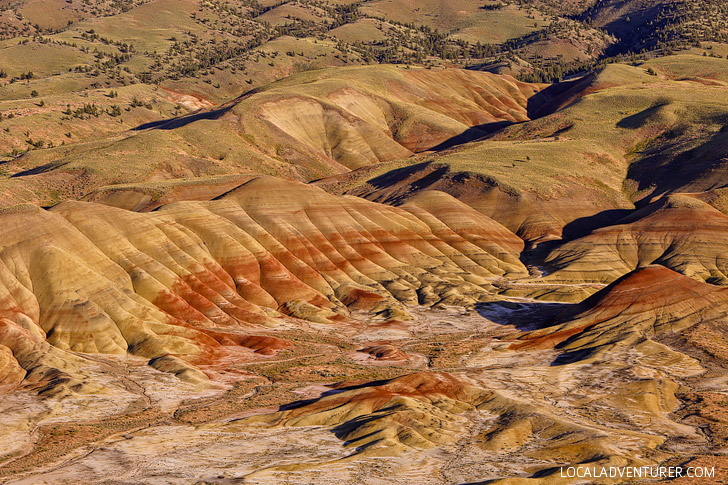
177,283
581,167
648,305
678,231
305,127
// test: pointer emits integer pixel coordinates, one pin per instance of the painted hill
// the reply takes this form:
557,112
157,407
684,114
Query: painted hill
678,231
414,411
178,285
305,127
324,242
650,304
614,142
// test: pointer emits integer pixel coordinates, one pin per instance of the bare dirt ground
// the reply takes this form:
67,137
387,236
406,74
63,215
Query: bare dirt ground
144,426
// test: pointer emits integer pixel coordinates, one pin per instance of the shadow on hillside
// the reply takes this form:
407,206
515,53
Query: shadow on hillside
305,402
584,225
472,134
171,124
347,427
630,30
638,120
552,97
677,162
572,356
540,104
47,167
428,174
525,315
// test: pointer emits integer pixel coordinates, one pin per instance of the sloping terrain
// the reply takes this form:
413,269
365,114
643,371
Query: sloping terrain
415,411
647,303
308,126
677,231
652,317
105,66
194,54
364,272
626,378
95,279
580,167
643,24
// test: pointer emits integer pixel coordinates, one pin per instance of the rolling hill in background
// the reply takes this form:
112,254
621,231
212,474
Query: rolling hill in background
369,241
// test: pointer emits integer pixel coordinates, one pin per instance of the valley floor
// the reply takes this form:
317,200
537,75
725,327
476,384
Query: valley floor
529,413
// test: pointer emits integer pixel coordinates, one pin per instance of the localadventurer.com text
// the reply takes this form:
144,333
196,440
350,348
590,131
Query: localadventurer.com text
638,472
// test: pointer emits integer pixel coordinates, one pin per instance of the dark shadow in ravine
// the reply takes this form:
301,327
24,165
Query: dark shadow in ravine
572,356
584,225
523,315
